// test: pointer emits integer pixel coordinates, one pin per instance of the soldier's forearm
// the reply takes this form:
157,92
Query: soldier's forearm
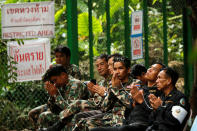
122,96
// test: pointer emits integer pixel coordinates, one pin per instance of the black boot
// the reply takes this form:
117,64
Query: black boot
55,127
58,125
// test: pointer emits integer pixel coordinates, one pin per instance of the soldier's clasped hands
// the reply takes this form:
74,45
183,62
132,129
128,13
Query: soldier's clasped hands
155,101
51,89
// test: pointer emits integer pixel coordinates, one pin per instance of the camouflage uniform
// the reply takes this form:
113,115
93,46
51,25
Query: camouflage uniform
92,103
113,107
73,91
73,72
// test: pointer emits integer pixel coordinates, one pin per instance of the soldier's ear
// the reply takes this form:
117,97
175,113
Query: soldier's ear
169,81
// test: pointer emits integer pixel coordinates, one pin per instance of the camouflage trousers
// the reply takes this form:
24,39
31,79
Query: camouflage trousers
47,119
104,120
74,108
35,113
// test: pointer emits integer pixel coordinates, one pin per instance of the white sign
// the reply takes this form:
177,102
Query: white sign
33,58
28,20
136,22
136,47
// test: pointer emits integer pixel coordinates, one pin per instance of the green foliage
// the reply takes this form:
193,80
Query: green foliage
135,2
154,1
82,6
12,117
0,20
7,70
20,93
17,99
83,22
59,13
83,31
9,113
11,1
37,0
174,36
117,5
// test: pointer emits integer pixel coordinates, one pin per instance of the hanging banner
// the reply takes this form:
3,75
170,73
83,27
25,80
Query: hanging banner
27,20
136,22
32,58
136,48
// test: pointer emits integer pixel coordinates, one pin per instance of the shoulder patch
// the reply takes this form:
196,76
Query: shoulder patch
182,101
179,113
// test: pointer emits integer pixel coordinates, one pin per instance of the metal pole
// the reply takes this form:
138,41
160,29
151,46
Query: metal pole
72,28
108,26
165,44
91,55
145,15
127,30
187,40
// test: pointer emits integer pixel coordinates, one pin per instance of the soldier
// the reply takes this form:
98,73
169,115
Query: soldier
62,56
171,109
62,89
102,68
116,100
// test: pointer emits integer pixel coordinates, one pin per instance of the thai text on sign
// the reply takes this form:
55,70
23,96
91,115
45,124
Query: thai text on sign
32,58
28,20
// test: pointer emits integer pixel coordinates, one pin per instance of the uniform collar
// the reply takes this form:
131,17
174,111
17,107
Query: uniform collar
69,82
173,91
130,80
108,79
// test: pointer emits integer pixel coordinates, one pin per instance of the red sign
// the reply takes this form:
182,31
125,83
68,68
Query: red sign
32,58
